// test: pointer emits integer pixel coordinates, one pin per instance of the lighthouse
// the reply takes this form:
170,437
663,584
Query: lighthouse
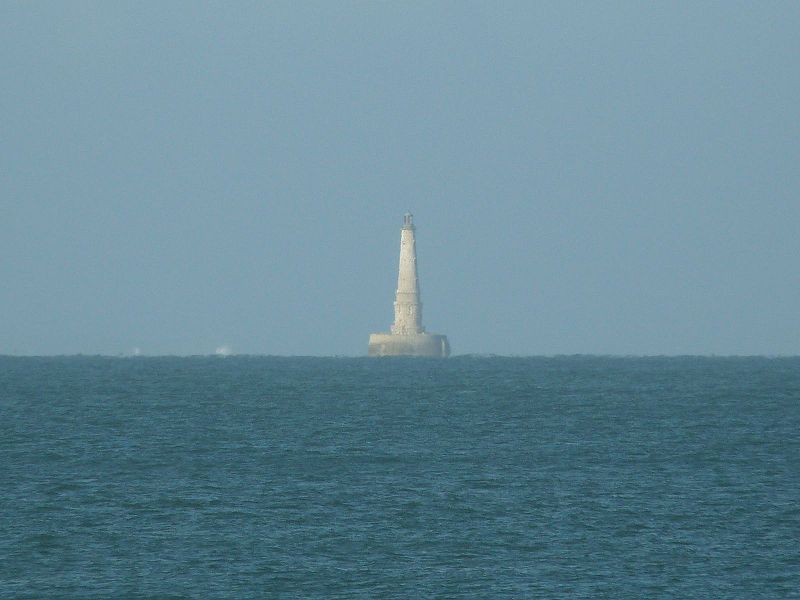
407,336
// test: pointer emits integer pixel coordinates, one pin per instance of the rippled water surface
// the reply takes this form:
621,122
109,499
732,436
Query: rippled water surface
247,477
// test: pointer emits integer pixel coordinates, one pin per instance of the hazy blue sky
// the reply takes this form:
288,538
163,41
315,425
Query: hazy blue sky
616,177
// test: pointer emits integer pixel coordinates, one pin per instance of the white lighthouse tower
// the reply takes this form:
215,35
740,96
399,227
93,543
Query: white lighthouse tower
408,336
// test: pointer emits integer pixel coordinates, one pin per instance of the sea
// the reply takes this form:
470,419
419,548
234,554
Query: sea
471,477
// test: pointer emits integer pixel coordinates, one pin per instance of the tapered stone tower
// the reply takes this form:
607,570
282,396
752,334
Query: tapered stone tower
408,337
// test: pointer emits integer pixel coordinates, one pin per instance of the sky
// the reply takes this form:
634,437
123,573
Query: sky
585,177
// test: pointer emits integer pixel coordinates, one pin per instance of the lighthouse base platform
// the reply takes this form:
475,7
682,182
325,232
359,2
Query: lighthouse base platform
431,345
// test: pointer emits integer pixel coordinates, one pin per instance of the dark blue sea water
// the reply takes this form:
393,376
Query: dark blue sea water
250,477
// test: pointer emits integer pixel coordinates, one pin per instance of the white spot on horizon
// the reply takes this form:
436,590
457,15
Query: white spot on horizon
224,350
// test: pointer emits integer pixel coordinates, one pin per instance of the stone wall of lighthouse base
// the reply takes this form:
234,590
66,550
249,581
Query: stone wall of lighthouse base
414,344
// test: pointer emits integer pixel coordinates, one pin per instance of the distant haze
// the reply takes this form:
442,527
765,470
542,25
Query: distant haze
201,178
